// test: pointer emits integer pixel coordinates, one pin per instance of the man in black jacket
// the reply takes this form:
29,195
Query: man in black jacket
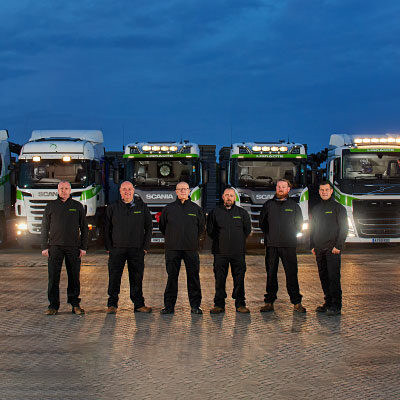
128,228
64,235
280,220
329,229
182,222
228,226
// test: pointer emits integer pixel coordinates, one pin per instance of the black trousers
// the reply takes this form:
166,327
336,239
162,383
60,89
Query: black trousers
329,274
73,266
238,269
116,263
173,259
289,261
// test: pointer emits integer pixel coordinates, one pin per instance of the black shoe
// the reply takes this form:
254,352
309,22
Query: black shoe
196,310
167,310
322,308
333,311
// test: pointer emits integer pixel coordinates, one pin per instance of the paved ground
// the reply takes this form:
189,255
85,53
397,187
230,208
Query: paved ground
134,356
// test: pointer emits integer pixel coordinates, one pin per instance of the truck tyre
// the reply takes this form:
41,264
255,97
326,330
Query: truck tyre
3,229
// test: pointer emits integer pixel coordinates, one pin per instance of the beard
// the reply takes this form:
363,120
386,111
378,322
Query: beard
280,195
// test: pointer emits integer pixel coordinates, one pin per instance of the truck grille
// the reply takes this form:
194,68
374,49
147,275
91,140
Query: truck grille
377,218
254,212
35,214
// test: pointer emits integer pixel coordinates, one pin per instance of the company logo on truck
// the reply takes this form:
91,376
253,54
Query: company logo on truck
159,196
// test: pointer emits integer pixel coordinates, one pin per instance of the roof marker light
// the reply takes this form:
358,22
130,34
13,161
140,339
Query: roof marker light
391,140
283,148
146,148
36,158
358,140
383,140
366,140
274,148
266,148
173,148
374,140
155,148
164,148
256,148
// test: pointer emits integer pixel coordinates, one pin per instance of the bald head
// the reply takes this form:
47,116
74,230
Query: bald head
126,191
64,190
182,191
229,197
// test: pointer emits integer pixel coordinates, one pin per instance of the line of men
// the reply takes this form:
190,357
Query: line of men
128,229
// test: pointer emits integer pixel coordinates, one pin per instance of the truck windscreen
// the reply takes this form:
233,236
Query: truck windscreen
48,173
262,173
163,172
371,166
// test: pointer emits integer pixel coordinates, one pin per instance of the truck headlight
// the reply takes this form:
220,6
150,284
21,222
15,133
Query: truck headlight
22,226
299,234
305,226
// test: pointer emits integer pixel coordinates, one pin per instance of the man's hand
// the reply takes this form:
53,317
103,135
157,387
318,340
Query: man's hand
335,251
145,252
313,251
82,253
45,252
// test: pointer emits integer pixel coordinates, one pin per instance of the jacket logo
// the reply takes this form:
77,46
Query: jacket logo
137,212
328,212
288,209
72,209
193,215
159,196
237,217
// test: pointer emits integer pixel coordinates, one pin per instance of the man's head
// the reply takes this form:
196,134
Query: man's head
64,190
182,191
282,188
325,190
229,197
126,191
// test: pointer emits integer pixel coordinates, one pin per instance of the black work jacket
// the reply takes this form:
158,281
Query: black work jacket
228,229
182,224
329,225
281,220
127,225
64,224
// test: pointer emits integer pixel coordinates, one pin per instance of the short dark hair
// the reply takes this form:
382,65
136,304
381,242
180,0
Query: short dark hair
323,183
285,180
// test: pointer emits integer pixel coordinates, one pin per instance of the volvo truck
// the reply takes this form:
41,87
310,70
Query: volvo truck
365,173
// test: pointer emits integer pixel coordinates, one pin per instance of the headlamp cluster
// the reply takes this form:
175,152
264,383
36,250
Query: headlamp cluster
270,148
159,148
375,140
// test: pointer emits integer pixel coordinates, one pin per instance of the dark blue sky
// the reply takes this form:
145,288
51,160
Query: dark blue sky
193,69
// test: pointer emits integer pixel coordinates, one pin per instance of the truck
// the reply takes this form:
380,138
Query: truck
365,173
155,168
7,194
252,170
52,156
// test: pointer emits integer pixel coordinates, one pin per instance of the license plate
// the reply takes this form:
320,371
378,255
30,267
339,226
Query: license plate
381,240
157,240
262,241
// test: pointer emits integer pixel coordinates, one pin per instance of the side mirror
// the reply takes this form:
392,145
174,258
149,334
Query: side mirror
223,176
205,176
116,176
13,177
97,177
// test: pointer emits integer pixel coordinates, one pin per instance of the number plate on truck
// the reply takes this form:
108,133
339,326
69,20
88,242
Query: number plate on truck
157,240
262,241
381,240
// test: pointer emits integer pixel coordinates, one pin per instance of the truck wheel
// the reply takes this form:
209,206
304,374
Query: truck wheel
3,229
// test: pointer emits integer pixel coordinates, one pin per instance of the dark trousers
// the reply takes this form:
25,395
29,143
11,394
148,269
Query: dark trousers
289,261
73,266
238,269
329,274
116,263
173,259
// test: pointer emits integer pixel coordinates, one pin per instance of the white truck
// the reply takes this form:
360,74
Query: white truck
5,187
365,173
156,167
252,170
52,156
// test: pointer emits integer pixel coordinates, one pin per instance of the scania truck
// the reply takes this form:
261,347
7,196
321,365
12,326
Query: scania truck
52,156
365,173
7,194
253,168
156,167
